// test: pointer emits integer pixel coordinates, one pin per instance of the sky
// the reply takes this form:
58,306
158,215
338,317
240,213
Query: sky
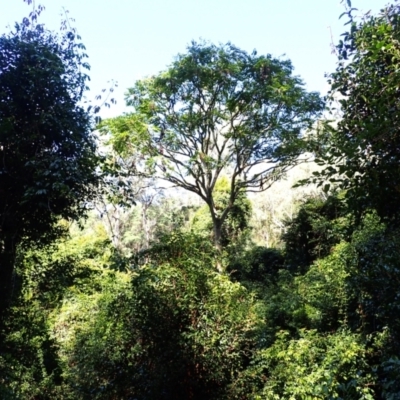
127,40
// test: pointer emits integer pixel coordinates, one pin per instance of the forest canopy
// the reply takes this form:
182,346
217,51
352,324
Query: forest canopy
251,289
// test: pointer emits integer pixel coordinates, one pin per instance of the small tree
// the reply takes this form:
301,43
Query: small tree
217,111
48,161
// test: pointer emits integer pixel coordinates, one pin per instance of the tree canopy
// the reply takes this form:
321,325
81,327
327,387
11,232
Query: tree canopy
217,110
48,161
362,152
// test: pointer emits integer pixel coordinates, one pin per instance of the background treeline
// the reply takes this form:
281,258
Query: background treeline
202,289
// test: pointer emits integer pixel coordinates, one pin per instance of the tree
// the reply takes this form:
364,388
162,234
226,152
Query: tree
48,160
217,111
236,223
319,225
362,152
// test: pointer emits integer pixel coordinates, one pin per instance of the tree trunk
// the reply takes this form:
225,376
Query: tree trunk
217,230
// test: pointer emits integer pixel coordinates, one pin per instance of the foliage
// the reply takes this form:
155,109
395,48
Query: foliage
236,223
318,319
376,277
327,292
136,229
354,288
311,234
176,248
258,264
361,154
216,110
29,363
48,168
179,330
357,284
273,208
316,366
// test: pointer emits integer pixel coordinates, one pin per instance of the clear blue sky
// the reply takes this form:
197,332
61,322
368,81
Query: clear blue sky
129,39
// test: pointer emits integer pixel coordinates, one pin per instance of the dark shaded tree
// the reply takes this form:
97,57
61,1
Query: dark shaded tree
47,152
318,226
258,264
362,151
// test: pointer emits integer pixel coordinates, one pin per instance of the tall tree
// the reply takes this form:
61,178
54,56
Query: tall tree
217,110
362,151
47,152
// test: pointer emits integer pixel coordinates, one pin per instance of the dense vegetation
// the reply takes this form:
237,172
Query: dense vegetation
156,295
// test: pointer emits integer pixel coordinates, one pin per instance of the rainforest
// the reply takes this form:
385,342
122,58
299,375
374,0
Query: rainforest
232,236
